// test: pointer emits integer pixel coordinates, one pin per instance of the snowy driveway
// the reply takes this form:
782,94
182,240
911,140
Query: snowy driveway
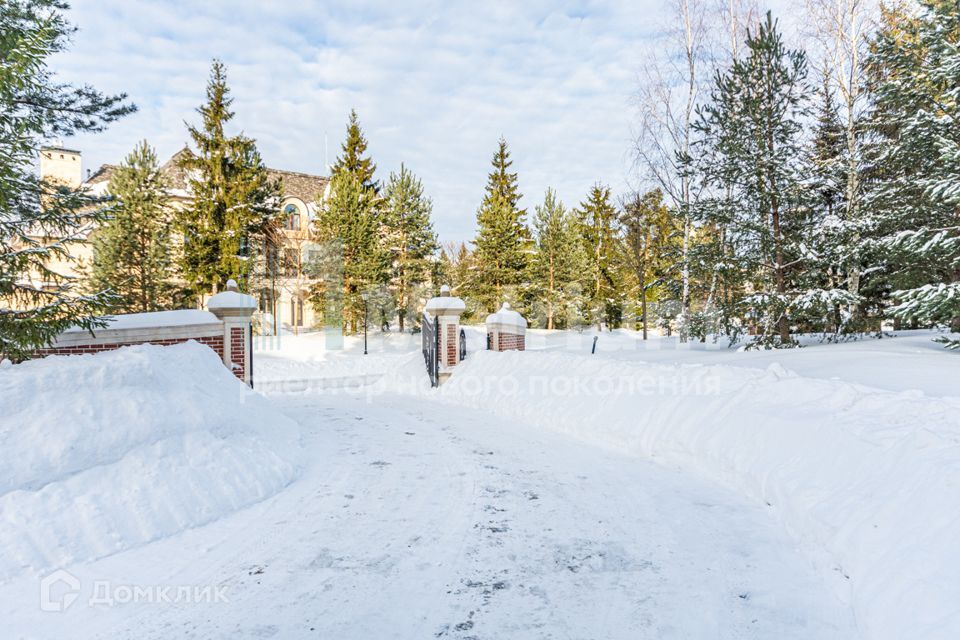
410,525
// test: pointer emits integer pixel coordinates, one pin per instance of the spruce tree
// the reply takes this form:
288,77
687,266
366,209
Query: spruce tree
352,159
558,261
132,249
40,220
834,245
914,199
597,219
235,205
502,245
828,150
350,223
409,238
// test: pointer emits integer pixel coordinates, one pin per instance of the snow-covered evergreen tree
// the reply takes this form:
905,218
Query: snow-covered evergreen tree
40,220
914,200
752,152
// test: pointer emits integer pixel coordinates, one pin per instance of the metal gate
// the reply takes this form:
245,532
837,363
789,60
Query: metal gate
430,339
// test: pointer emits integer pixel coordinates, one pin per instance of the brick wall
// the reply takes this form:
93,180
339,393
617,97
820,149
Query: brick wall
450,353
214,342
512,341
224,330
238,347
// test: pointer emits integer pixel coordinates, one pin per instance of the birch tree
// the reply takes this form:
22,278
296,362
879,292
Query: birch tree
668,96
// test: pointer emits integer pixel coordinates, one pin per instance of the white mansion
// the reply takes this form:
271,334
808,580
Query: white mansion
282,302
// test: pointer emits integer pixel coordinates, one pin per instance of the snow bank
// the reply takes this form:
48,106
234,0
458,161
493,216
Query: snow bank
867,480
103,452
152,319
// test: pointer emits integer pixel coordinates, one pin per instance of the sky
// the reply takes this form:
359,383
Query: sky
435,85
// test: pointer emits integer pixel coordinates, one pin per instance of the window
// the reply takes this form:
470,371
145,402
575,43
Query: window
296,311
266,301
292,213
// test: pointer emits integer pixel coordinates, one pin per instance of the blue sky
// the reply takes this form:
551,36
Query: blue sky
435,85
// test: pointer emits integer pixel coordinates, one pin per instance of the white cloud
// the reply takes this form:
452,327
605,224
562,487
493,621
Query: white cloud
435,85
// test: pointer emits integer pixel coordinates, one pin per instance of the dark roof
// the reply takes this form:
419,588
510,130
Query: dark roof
307,187
172,170
59,148
102,174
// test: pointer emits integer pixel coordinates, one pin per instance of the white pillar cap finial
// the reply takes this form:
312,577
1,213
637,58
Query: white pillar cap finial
444,290
232,285
506,305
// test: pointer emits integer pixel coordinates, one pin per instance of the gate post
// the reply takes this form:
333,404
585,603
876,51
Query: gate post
235,309
506,330
447,309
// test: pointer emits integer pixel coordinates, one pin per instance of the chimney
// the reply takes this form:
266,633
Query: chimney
61,165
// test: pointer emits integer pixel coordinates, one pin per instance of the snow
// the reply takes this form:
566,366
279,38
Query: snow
102,453
153,319
904,361
507,316
650,490
445,302
231,299
413,523
864,479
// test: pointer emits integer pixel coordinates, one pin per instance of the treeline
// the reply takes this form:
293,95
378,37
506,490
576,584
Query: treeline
600,262
788,195
789,191
375,248
812,194
369,245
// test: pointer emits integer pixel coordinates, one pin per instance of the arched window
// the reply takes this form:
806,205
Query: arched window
296,311
292,213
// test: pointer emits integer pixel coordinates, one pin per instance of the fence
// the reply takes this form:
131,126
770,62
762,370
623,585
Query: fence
430,343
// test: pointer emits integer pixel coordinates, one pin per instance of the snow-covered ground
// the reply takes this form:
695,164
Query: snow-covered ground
103,453
656,492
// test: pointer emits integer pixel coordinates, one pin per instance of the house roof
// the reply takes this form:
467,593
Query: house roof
305,186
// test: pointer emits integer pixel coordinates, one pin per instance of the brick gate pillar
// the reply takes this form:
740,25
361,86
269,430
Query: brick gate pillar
447,309
235,309
506,330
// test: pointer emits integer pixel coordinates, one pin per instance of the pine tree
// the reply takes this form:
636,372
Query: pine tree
914,199
599,234
650,234
351,223
132,256
752,151
41,220
558,261
502,245
235,205
410,240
